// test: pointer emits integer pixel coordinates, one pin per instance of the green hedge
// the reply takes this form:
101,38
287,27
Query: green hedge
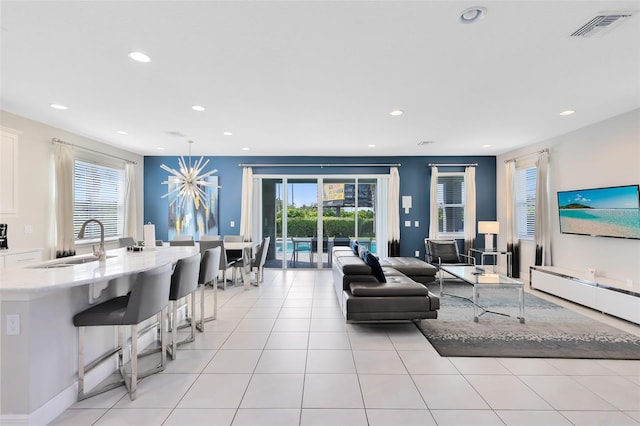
307,227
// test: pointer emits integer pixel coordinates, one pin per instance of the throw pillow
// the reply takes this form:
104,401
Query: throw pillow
376,269
354,246
362,252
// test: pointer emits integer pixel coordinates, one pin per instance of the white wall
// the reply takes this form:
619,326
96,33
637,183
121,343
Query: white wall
35,182
603,154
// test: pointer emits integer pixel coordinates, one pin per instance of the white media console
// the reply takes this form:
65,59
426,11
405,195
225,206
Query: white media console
600,293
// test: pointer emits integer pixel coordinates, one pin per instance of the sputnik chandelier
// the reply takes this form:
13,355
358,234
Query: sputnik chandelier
187,183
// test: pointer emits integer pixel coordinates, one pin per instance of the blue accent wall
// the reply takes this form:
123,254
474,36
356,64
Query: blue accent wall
415,178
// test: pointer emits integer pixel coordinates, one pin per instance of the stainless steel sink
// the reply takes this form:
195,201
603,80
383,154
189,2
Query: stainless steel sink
67,262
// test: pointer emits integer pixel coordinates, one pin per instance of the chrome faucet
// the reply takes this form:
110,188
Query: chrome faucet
100,254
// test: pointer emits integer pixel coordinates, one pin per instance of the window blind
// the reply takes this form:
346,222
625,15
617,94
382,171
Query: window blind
98,194
451,190
526,202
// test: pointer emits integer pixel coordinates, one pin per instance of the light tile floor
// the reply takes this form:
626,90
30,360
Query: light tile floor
281,354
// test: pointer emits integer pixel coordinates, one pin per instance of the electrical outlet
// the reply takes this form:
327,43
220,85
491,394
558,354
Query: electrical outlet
407,224
232,224
13,325
417,253
28,229
416,224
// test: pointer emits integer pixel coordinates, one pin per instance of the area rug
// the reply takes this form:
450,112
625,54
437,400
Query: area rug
549,331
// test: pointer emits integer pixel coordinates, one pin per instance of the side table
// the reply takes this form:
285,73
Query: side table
492,252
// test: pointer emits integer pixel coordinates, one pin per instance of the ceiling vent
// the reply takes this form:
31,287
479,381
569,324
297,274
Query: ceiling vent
423,143
601,24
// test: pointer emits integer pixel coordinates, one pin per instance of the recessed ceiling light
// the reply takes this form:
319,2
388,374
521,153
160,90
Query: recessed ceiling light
160,148
198,108
58,106
486,146
472,14
139,57
396,112
122,132
227,133
567,112
246,149
371,145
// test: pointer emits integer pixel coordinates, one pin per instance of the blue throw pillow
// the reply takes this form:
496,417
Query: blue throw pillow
376,269
354,246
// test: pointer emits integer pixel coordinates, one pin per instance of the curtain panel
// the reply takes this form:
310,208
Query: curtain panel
130,204
470,209
246,204
65,238
513,242
433,211
394,213
543,222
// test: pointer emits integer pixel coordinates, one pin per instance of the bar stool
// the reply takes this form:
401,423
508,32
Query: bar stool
149,296
209,266
184,281
224,264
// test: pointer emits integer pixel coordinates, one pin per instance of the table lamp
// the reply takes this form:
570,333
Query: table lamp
488,228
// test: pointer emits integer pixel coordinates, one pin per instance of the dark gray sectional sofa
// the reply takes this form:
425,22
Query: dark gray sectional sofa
365,297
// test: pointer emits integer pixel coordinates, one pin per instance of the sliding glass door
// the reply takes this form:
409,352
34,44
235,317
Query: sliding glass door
306,217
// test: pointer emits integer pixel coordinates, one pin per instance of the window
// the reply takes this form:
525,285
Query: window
526,202
98,194
451,195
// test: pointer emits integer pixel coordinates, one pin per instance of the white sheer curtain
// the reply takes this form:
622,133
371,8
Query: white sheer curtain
543,223
65,238
469,208
382,214
513,242
433,212
246,205
394,212
130,205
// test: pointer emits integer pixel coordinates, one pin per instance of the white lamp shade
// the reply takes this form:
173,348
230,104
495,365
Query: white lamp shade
488,227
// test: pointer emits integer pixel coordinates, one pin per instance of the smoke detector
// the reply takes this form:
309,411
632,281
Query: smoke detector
601,24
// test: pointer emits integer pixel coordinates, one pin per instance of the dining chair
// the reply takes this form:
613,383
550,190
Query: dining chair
224,262
258,260
183,243
126,242
210,237
183,237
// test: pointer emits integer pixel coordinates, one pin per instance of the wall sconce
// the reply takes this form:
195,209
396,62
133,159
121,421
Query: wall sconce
406,203
489,229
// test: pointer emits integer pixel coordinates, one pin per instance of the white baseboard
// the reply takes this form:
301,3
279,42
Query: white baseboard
14,420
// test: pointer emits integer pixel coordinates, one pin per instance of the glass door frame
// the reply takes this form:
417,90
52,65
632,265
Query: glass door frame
381,204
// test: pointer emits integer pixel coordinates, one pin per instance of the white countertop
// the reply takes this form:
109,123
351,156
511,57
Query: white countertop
29,280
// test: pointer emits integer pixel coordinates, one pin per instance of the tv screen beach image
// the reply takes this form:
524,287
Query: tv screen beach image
611,212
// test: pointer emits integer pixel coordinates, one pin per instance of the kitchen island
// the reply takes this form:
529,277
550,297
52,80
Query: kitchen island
38,340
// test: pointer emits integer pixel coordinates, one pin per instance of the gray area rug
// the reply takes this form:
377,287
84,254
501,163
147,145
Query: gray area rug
550,331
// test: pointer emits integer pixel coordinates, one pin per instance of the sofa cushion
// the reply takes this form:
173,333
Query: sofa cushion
409,266
376,269
394,287
354,266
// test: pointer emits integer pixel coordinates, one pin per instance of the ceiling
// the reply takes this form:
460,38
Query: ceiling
317,77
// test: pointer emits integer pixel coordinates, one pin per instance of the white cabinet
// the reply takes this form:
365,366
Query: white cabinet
8,170
12,258
603,294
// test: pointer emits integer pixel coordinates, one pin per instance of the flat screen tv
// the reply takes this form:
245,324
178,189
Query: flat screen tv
605,212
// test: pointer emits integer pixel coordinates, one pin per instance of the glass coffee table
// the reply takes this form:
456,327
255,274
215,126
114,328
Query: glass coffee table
478,278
